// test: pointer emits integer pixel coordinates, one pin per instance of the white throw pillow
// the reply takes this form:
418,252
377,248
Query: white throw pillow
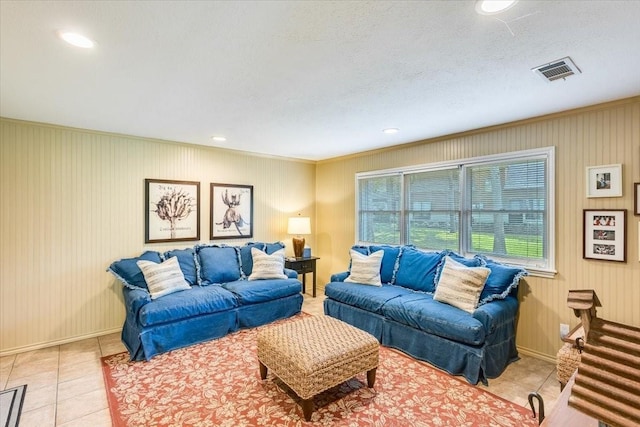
267,266
164,278
365,269
460,286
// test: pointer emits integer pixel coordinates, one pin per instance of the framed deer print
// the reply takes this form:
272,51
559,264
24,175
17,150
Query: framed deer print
172,211
231,211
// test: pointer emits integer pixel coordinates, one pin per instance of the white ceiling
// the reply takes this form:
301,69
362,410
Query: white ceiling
309,79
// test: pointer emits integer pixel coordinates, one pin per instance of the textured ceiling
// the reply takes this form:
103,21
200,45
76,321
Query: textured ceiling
309,79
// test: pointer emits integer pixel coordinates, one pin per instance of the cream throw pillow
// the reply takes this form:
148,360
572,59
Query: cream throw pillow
365,269
460,286
267,266
164,278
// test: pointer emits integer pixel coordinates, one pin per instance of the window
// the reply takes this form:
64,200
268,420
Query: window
500,206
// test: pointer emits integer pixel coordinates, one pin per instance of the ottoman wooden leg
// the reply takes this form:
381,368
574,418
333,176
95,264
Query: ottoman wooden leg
307,408
263,371
371,377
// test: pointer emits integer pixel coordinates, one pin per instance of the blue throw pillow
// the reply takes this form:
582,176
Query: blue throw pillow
390,261
501,282
417,269
469,262
247,259
272,247
187,263
217,264
127,271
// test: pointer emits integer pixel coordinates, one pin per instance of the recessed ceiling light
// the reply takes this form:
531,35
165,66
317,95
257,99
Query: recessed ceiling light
391,130
492,7
76,39
219,138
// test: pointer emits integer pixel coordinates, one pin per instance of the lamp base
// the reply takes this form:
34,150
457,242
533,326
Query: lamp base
298,246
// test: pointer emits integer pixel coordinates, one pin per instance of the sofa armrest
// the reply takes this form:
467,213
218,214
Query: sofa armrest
134,299
496,313
291,274
339,277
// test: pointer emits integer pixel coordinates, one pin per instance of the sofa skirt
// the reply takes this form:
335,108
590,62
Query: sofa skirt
475,363
253,315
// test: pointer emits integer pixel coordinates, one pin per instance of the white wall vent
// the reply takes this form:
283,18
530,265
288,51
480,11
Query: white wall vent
559,69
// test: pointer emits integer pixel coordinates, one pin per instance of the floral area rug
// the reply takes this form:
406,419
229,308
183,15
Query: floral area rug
218,384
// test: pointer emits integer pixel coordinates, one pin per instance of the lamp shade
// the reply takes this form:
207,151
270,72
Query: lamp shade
299,225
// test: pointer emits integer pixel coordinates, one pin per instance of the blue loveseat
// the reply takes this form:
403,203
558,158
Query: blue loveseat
219,300
403,314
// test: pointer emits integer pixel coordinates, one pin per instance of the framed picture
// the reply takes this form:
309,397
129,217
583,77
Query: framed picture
231,211
604,181
172,211
604,234
636,198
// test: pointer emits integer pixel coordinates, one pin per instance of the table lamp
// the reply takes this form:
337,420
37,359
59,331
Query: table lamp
298,226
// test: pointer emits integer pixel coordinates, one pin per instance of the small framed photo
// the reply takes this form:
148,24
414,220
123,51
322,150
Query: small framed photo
604,235
172,211
604,181
636,198
231,211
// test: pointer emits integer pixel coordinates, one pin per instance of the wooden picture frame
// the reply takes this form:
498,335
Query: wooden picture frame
604,181
172,211
636,198
231,211
604,234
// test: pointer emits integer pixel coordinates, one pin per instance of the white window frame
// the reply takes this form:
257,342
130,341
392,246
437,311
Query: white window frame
544,270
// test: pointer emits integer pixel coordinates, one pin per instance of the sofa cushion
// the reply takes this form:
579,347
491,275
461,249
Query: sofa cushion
256,291
127,271
390,260
246,258
164,278
417,269
460,286
182,305
501,282
267,266
365,269
272,247
368,298
421,311
217,264
187,263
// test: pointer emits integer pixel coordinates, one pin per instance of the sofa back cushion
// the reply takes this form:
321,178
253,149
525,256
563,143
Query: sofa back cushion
217,264
272,247
417,269
186,259
127,271
502,281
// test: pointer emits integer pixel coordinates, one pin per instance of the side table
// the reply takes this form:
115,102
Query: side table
302,266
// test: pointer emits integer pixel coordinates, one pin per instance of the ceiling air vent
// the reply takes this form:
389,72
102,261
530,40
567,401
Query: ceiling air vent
559,69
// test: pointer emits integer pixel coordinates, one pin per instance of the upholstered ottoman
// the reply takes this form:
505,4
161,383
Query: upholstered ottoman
316,353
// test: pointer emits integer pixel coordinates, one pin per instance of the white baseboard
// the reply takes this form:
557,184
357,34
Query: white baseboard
38,346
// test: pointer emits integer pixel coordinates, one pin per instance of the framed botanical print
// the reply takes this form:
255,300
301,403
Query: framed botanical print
172,210
231,211
605,234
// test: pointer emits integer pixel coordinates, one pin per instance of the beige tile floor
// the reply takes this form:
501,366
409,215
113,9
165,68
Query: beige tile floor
66,386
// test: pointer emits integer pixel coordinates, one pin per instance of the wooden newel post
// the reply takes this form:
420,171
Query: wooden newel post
584,303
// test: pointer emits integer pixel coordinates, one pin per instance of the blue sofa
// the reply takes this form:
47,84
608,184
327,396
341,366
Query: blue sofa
220,299
403,314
